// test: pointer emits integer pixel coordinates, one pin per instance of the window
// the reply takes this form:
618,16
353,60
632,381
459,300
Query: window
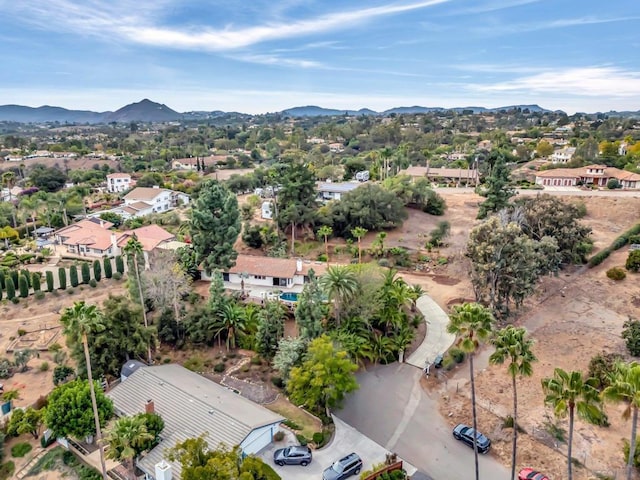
259,277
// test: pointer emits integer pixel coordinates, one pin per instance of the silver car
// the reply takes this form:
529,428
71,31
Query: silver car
296,455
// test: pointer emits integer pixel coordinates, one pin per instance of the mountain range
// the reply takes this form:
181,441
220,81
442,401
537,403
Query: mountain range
152,112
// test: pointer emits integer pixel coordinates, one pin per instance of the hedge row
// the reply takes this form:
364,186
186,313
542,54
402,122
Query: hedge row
627,237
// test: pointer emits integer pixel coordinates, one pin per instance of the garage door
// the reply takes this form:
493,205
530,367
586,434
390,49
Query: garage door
258,439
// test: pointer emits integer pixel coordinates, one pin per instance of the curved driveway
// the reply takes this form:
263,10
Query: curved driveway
391,408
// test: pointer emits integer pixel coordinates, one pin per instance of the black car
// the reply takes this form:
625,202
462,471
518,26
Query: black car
343,468
464,433
296,455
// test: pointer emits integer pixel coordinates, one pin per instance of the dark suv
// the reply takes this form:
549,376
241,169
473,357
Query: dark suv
464,433
343,468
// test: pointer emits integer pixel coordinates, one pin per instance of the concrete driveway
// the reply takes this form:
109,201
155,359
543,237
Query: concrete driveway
346,439
392,409
437,340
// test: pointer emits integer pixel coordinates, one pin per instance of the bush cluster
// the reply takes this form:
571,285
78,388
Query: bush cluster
616,273
617,244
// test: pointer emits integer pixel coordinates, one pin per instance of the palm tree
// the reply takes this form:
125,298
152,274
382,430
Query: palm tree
341,285
625,388
472,323
359,232
233,321
325,231
133,249
79,321
415,292
568,393
513,346
126,438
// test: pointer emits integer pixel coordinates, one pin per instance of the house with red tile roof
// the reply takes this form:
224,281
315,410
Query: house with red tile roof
597,175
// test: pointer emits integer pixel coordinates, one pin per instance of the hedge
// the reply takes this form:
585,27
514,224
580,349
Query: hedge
97,270
108,272
35,281
86,273
49,278
23,286
11,289
617,244
62,276
119,265
14,276
27,275
73,275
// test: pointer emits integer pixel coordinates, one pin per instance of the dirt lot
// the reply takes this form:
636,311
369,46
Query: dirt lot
572,318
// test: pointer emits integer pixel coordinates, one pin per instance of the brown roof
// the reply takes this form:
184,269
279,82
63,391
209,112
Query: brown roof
264,266
560,173
139,205
608,172
144,193
149,236
118,175
439,172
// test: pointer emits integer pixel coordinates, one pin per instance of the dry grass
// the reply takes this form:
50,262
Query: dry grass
308,422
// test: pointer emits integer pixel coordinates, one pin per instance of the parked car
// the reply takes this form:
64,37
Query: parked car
531,474
343,468
464,433
296,455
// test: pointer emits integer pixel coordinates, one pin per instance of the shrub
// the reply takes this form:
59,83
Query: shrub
15,300
292,425
119,264
14,276
302,439
22,332
73,276
601,367
61,373
11,288
39,295
97,270
19,450
6,470
318,438
106,264
70,291
633,261
616,273
618,243
35,281
45,442
625,451
86,273
69,459
49,278
195,364
631,335
613,183
117,275
384,262
256,360
62,277
44,367
457,354
278,436
23,286
277,382
93,283
219,367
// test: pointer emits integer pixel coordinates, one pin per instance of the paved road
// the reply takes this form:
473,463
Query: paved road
392,409
437,340
576,192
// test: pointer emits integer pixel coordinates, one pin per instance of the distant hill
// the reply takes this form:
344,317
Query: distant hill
411,110
144,111
19,113
314,111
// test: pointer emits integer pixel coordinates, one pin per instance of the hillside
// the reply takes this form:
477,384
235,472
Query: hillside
144,111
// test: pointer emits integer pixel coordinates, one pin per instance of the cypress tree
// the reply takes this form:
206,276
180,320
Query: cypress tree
35,281
73,276
11,289
14,277
86,273
2,277
97,270
119,264
62,276
23,286
27,275
49,277
108,272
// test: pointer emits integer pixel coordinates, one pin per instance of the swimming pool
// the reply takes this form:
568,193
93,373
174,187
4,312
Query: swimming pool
289,296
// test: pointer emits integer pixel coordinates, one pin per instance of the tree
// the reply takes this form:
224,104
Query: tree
630,334
187,260
340,285
166,283
358,233
232,322
108,271
625,388
62,278
21,358
35,281
289,354
50,179
6,233
97,270
324,377
497,189
49,278
311,309
215,225
119,264
633,261
133,251
73,275
270,328
11,289
325,232
23,286
25,421
61,373
81,320
86,273
472,324
112,217
125,438
569,393
513,346
544,148
69,411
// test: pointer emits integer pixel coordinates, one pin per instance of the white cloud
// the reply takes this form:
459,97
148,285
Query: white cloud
588,82
276,60
514,28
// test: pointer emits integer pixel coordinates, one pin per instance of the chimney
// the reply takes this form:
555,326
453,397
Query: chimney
149,407
101,223
163,471
114,244
298,265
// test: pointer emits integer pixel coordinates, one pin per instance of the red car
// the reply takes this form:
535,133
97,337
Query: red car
531,474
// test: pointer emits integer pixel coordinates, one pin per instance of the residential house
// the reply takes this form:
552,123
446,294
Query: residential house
190,406
145,200
90,237
118,182
328,191
597,175
336,147
563,155
456,176
191,163
150,236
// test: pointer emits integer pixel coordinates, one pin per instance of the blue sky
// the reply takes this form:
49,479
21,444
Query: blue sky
257,56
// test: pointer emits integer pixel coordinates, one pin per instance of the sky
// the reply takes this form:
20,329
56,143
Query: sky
258,56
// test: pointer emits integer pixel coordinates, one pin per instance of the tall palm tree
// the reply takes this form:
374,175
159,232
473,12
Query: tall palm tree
359,232
233,321
513,346
80,321
325,232
472,324
126,438
568,393
340,284
133,249
625,388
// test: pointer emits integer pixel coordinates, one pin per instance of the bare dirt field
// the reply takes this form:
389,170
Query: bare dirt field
572,318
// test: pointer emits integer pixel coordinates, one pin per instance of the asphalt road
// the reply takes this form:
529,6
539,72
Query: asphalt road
392,409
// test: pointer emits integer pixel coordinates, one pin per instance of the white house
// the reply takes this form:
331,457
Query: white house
144,200
334,191
118,182
266,211
563,155
191,405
